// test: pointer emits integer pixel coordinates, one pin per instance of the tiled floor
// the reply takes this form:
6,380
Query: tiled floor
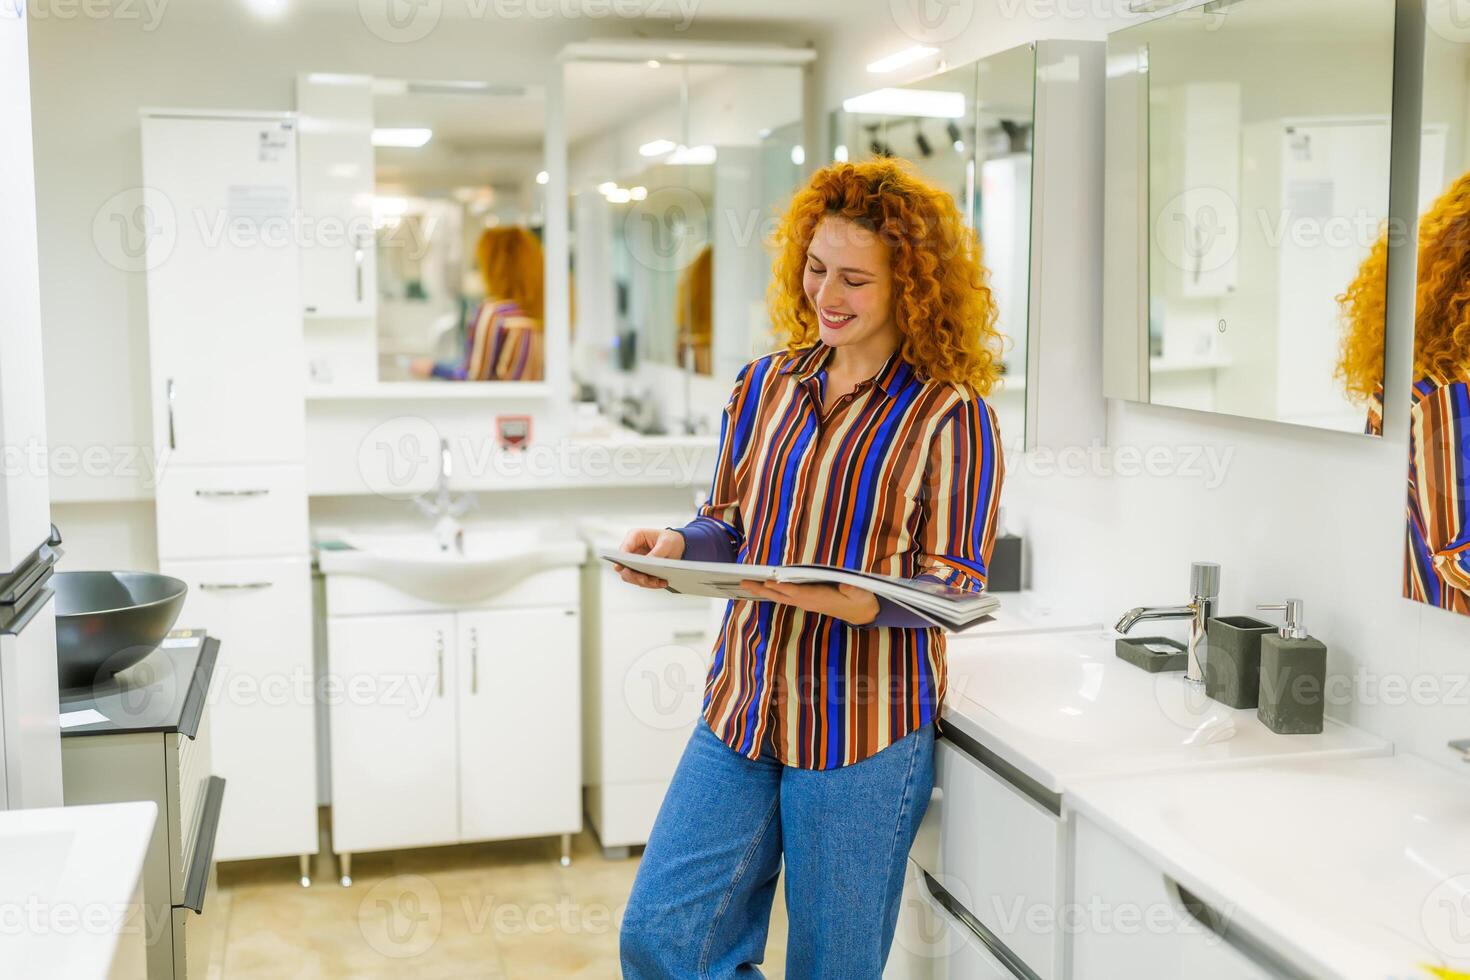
503,910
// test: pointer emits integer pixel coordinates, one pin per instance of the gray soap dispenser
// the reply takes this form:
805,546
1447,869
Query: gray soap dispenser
1293,675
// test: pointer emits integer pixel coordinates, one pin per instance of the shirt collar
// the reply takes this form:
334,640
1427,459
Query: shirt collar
808,361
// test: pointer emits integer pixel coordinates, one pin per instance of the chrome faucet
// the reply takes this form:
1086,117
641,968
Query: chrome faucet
1204,586
446,509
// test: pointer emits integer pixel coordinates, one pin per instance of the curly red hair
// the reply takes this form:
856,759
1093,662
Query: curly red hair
1442,301
941,302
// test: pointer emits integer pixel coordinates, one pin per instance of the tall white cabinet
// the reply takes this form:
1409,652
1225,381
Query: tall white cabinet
228,399
30,742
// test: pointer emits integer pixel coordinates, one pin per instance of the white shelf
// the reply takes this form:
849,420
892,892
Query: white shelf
428,391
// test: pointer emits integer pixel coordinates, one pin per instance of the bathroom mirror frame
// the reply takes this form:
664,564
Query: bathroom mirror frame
557,235
1134,243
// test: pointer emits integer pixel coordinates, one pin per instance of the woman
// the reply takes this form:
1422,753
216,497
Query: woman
1437,541
865,443
504,339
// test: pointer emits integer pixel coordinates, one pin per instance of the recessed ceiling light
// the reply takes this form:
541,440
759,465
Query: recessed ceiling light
656,148
901,58
607,187
652,63
928,103
839,153
543,177
408,137
639,193
798,154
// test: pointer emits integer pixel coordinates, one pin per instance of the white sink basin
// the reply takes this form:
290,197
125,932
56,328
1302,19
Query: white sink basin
1355,867
492,561
1061,705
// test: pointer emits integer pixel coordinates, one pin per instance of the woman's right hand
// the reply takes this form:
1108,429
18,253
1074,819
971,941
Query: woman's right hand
657,542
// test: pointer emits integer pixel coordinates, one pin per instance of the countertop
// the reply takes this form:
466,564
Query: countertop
70,878
1356,868
163,692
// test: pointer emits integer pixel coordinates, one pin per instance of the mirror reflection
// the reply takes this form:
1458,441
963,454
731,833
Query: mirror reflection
969,130
1267,165
676,174
1437,539
457,215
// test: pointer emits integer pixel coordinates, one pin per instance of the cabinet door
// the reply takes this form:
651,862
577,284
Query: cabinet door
224,308
339,271
262,732
392,708
519,735
653,672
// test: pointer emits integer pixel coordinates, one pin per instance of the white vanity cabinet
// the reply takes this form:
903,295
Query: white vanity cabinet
645,656
452,725
1135,922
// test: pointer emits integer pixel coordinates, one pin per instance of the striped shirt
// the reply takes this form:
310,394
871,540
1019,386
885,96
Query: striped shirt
1437,556
900,476
501,344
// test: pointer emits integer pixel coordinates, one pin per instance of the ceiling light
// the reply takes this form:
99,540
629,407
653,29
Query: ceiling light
410,138
652,63
639,193
656,148
692,155
620,195
543,177
607,187
900,58
928,103
798,154
839,153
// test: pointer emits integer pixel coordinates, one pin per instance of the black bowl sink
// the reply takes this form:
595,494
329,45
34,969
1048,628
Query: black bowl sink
108,621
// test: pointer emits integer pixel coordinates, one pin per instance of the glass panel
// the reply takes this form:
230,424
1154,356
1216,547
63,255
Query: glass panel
1268,164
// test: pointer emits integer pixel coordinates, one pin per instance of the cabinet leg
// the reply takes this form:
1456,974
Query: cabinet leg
344,864
617,853
304,860
566,850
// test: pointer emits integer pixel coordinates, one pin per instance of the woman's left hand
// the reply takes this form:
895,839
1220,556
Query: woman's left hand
845,602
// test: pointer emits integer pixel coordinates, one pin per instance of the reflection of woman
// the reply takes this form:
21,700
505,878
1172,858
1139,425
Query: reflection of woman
1437,554
866,443
503,341
693,305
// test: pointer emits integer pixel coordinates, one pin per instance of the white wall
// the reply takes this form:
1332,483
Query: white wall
1301,513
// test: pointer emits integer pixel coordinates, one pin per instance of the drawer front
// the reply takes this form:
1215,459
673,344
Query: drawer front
193,937
934,943
652,690
261,710
188,764
1140,927
232,512
998,854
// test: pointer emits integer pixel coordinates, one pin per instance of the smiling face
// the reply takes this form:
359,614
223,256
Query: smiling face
849,283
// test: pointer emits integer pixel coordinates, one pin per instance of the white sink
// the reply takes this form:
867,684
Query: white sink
493,560
1061,705
1355,867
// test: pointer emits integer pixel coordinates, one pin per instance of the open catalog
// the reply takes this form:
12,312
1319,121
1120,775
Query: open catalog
946,607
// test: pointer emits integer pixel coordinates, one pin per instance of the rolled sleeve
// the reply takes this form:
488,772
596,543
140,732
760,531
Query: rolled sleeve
961,494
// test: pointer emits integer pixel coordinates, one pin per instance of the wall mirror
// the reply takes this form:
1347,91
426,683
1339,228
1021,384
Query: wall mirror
677,168
1437,539
1248,159
440,188
970,131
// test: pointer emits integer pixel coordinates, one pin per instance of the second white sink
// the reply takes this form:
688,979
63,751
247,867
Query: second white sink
492,560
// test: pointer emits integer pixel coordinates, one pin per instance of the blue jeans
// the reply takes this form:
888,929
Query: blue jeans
701,904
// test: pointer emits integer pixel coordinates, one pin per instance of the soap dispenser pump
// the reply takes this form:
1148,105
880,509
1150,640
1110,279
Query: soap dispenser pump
1293,675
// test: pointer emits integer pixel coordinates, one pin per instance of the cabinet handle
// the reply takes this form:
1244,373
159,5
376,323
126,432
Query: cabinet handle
1231,934
474,660
231,493
233,586
168,389
439,656
358,257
